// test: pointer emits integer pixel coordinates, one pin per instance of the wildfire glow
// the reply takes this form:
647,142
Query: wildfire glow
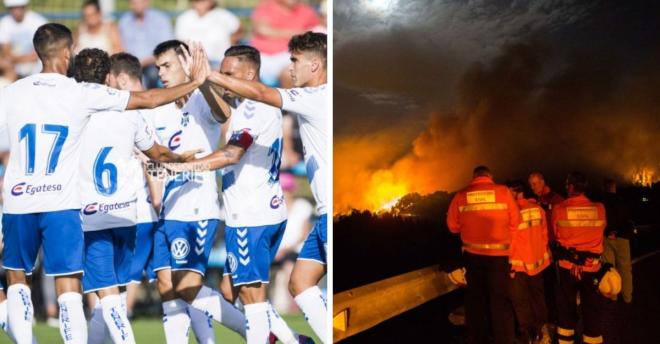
384,191
643,177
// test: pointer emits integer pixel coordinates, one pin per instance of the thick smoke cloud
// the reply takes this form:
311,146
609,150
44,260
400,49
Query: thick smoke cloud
550,101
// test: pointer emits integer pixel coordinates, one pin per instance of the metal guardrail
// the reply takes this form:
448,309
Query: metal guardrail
359,309
362,308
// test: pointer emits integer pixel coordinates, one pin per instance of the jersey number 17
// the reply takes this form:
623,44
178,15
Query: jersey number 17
29,133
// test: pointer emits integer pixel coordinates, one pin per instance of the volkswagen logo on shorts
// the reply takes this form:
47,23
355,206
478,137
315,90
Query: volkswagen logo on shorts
175,140
90,209
232,263
18,189
179,248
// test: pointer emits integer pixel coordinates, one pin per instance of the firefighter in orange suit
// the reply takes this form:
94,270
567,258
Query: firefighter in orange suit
578,225
529,256
485,214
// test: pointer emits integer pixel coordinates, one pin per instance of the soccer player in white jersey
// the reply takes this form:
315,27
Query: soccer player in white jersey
308,101
255,212
126,74
108,193
45,114
190,207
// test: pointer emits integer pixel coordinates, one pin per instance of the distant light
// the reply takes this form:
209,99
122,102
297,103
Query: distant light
644,199
379,5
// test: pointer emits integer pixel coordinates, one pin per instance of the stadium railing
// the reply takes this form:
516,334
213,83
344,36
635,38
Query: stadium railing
359,309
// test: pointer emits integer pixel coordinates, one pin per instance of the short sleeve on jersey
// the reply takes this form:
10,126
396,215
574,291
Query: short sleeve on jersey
144,134
299,101
96,97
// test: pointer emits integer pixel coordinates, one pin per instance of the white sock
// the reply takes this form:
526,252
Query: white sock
20,313
97,329
116,320
313,305
176,321
279,328
3,322
258,323
211,302
124,296
202,326
3,319
73,326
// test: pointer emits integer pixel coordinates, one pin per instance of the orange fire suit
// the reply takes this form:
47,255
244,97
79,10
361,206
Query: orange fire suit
578,225
485,214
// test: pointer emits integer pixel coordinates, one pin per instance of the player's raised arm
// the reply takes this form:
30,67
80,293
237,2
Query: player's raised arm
228,155
199,71
248,89
163,154
219,108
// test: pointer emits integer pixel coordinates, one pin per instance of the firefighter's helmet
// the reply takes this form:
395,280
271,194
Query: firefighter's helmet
610,283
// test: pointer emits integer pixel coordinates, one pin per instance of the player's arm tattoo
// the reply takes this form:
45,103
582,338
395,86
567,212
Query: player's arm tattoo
228,155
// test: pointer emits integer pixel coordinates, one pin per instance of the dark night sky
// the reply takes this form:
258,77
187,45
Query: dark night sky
431,88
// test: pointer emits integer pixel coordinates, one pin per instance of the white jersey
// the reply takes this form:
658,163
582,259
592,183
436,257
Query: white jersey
189,196
145,210
309,104
108,187
45,116
251,189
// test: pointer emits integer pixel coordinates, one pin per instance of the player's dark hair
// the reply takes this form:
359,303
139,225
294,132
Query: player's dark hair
578,180
245,53
51,38
309,41
173,44
91,65
481,171
126,63
94,3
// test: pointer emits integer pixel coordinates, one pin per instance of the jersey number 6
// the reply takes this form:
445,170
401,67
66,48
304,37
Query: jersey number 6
105,169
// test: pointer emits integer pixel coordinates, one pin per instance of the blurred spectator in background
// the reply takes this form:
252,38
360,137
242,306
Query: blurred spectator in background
216,28
94,32
274,22
141,30
298,225
16,31
7,72
322,27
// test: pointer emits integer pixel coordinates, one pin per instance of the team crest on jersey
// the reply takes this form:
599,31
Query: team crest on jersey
18,189
232,262
175,140
180,248
91,209
185,119
275,202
